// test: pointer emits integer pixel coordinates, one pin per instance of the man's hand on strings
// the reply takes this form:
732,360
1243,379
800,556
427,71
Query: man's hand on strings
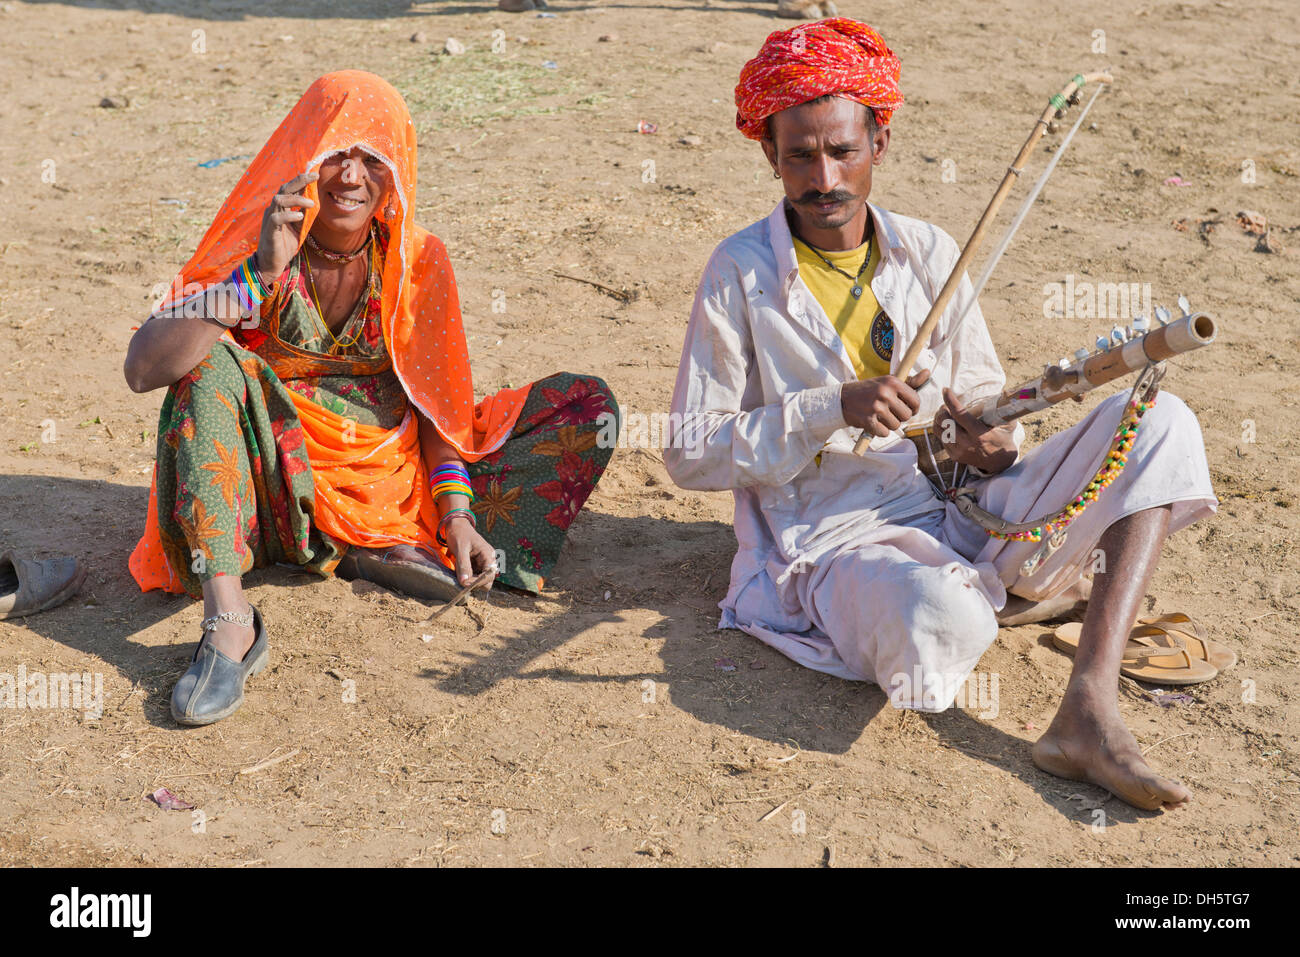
882,404
970,441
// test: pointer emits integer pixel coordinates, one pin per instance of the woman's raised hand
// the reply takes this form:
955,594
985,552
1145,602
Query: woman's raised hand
280,239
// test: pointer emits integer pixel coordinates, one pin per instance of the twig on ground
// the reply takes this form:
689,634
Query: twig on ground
777,809
484,576
261,765
622,295
1181,734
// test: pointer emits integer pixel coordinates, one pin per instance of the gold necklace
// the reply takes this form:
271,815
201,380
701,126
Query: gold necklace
320,316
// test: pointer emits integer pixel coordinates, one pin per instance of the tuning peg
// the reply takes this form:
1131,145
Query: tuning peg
1162,315
1184,305
1117,336
1053,126
1103,344
1080,354
1141,324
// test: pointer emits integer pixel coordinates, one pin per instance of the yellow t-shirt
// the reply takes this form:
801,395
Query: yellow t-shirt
865,330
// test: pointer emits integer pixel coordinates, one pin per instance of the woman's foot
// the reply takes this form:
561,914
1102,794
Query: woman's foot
231,639
224,594
408,569
212,687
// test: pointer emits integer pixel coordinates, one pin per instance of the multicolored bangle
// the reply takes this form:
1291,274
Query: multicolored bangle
450,479
451,513
248,285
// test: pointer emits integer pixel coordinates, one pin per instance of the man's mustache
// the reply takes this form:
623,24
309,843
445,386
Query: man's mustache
836,196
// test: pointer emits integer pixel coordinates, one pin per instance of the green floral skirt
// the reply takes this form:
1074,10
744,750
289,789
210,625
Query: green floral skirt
234,483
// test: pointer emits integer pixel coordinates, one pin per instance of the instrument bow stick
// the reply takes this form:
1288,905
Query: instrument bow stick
1054,111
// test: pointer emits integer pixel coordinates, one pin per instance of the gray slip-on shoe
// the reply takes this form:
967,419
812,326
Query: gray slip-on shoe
28,586
213,687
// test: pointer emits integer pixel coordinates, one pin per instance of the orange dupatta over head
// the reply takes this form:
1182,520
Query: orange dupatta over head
370,483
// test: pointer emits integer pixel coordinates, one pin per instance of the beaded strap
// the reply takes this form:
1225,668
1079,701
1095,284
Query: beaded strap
1114,463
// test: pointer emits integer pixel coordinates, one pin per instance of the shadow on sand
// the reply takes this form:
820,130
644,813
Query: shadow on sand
639,560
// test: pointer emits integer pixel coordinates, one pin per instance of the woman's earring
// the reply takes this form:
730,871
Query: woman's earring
389,212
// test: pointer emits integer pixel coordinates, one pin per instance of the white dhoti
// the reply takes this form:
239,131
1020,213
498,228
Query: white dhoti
912,606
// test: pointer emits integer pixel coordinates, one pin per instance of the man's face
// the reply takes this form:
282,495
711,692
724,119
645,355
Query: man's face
351,187
824,153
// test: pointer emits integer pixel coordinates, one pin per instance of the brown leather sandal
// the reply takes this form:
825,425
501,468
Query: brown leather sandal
1207,649
1153,655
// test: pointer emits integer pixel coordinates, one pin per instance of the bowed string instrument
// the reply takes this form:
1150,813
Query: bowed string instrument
1140,347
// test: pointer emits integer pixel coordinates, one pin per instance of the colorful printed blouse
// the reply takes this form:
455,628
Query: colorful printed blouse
350,373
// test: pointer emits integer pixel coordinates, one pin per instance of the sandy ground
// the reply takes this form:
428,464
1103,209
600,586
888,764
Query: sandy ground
593,725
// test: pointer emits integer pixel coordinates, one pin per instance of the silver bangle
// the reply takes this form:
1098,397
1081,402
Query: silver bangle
211,318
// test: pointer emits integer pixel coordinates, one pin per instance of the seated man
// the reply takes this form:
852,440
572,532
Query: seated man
320,409
854,565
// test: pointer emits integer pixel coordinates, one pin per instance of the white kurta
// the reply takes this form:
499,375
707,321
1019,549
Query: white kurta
854,566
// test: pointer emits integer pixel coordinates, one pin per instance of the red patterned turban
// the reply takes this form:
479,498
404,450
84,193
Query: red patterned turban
837,56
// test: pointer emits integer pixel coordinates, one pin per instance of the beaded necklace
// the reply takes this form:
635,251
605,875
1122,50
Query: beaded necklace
315,299
856,291
335,257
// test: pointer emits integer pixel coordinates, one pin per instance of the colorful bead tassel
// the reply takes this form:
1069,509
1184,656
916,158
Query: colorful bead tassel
1115,461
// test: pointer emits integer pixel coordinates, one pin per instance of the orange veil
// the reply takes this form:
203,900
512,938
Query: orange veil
370,487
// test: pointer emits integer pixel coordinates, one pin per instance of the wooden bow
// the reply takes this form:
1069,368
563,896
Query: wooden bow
1054,110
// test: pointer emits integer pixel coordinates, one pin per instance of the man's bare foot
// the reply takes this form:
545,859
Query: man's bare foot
1091,743
1022,611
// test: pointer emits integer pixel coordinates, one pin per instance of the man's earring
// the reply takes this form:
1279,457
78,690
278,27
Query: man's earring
776,174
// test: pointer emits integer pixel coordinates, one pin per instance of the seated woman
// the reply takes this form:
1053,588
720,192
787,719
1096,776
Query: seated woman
319,408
